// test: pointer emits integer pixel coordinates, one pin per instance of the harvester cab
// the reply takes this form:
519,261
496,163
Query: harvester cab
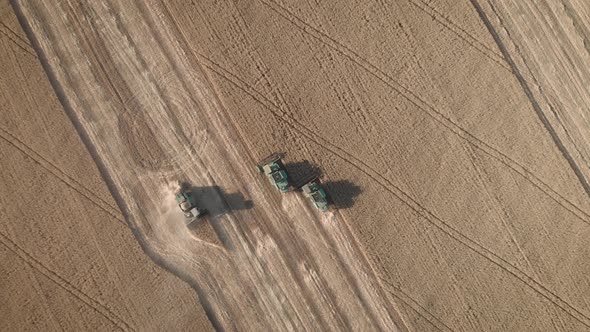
187,203
273,167
314,191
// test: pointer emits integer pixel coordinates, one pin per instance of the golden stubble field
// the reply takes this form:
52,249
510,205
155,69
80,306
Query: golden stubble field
469,213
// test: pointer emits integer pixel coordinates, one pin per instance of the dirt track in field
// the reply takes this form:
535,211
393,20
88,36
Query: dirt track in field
452,135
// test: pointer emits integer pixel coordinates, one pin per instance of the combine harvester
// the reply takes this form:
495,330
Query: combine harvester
273,167
314,191
187,203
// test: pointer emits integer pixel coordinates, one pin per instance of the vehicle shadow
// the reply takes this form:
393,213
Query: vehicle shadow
300,172
218,202
341,193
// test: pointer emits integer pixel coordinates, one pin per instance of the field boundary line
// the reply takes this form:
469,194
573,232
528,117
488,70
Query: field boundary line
65,178
428,109
97,306
400,194
461,33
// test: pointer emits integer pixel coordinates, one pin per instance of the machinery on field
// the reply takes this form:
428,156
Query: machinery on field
314,191
273,167
187,203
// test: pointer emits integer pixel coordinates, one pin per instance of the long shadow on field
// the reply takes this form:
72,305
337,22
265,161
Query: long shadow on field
341,193
302,171
217,202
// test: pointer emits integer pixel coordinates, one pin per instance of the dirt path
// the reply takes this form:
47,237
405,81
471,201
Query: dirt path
151,116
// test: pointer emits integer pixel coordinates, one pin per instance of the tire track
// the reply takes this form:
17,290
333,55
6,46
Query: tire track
461,33
496,205
429,110
260,64
56,171
400,194
23,149
417,307
17,36
518,63
341,261
100,308
352,260
27,49
34,279
359,115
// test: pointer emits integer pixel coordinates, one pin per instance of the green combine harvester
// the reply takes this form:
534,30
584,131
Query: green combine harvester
316,194
187,203
273,167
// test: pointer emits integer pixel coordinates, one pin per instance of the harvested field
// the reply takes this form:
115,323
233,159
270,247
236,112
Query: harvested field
452,135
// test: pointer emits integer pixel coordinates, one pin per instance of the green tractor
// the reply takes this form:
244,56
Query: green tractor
273,167
187,203
316,194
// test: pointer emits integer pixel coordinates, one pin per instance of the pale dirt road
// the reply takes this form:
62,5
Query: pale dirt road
150,115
